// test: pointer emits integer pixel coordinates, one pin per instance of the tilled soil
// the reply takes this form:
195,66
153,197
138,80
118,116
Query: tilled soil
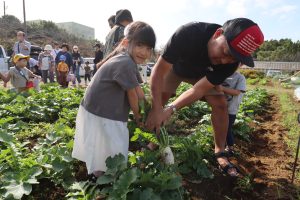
266,161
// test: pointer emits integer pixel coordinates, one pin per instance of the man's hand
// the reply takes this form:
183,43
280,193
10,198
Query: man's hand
154,120
219,88
167,113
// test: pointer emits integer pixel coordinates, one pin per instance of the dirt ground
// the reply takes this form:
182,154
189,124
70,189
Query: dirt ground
266,159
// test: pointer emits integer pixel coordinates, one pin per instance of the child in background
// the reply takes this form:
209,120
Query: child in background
87,72
19,75
63,70
101,123
47,64
234,88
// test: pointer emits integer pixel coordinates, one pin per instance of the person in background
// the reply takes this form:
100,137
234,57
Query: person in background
33,64
122,19
98,56
64,51
22,46
46,64
55,50
54,53
116,34
77,61
87,72
101,123
111,21
19,75
234,87
63,70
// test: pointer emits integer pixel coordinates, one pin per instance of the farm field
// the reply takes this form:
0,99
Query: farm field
36,138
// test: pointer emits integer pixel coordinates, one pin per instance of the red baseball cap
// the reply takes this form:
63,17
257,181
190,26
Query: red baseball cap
243,38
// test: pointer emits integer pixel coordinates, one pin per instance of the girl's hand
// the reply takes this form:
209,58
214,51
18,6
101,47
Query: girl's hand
138,119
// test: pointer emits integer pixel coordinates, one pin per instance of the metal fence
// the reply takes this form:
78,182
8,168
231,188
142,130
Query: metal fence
282,66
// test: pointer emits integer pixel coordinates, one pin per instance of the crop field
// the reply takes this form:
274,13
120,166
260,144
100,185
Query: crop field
36,141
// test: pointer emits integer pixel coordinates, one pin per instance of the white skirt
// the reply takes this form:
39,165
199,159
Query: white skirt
97,138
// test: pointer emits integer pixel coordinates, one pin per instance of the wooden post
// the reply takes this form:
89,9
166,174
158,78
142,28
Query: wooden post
296,158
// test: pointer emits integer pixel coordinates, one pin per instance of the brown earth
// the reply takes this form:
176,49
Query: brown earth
266,161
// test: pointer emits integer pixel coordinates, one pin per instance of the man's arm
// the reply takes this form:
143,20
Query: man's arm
188,97
193,94
31,74
231,91
160,69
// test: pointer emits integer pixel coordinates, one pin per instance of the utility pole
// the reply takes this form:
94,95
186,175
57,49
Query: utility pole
24,13
4,8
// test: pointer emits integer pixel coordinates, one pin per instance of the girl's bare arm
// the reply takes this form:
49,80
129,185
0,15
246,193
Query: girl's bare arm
134,102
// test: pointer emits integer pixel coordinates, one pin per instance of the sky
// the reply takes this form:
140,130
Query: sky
277,18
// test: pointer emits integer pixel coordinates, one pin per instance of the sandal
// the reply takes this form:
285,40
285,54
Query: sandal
229,152
229,166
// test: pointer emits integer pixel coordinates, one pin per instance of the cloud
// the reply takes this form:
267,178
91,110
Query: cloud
237,8
267,4
210,3
283,10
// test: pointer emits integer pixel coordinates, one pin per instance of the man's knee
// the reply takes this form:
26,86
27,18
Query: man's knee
217,103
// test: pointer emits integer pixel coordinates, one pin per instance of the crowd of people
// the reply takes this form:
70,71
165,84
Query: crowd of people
206,55
49,67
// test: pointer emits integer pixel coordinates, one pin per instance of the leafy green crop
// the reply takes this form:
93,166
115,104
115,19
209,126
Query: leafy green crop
36,140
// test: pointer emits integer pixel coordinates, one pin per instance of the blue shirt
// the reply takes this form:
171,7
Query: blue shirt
69,59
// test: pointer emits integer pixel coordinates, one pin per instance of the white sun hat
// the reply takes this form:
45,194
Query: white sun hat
48,47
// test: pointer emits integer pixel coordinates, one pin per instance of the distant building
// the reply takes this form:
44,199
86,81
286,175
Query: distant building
78,29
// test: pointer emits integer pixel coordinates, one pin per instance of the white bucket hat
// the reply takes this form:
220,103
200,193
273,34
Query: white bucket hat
48,47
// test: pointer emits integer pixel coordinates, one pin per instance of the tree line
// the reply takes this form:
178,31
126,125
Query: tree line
279,50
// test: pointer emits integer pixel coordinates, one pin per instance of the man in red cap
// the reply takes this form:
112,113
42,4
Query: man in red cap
203,54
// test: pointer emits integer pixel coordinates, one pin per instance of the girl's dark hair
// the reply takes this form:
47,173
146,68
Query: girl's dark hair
137,33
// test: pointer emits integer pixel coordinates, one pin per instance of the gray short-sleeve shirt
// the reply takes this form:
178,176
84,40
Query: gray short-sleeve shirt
17,78
19,49
106,95
236,81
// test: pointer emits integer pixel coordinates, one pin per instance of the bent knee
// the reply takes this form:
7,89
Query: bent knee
218,103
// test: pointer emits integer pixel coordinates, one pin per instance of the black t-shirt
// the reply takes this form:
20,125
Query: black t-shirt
187,51
98,56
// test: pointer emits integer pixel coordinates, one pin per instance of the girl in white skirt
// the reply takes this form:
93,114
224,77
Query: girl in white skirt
101,123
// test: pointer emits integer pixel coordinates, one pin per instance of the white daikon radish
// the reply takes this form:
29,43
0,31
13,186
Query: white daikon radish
165,150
